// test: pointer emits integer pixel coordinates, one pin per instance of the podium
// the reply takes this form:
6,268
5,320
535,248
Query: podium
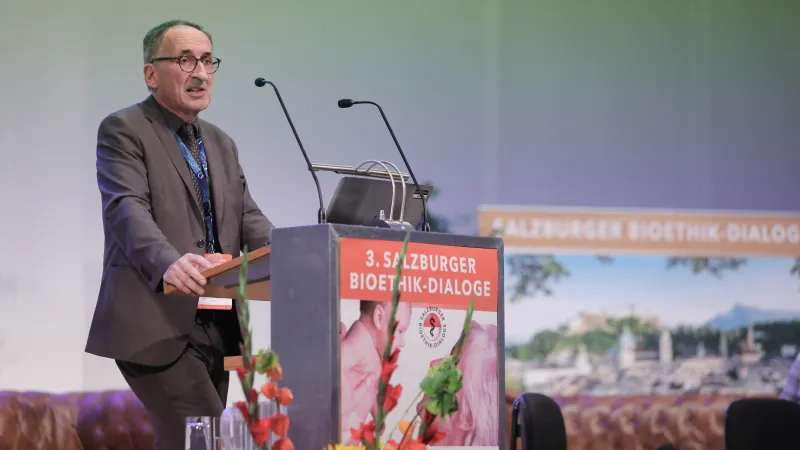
329,286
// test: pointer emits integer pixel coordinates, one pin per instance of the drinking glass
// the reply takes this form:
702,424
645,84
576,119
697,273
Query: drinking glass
267,409
234,432
199,433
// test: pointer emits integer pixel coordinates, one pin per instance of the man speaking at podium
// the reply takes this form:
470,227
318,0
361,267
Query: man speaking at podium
174,199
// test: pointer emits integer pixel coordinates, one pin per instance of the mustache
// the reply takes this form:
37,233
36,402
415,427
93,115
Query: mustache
195,84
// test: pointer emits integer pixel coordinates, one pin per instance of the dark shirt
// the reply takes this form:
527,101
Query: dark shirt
174,122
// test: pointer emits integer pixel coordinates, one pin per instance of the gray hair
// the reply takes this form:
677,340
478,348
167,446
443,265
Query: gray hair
152,40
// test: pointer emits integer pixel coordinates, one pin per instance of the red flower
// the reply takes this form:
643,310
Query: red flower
253,396
415,445
388,366
260,430
426,416
366,432
432,435
393,357
241,372
244,410
391,396
387,370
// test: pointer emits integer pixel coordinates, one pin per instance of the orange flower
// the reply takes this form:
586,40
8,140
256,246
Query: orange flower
280,424
391,396
283,444
269,390
406,427
285,396
366,432
275,373
260,430
409,443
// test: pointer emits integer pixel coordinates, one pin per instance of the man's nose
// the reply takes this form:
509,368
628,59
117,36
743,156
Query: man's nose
200,73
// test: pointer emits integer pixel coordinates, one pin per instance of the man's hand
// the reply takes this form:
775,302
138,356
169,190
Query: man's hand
185,274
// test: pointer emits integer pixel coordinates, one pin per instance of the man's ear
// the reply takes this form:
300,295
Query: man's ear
377,317
150,76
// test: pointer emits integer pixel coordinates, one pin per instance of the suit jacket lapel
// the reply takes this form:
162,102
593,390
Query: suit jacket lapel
171,146
217,176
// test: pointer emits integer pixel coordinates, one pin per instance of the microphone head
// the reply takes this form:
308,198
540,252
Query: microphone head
346,103
260,82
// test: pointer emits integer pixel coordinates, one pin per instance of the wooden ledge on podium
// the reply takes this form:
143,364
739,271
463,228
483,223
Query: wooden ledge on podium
235,362
223,282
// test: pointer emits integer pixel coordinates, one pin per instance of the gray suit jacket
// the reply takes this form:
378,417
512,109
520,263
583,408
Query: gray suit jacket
151,217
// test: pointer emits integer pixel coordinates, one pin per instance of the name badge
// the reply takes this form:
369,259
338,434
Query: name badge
215,303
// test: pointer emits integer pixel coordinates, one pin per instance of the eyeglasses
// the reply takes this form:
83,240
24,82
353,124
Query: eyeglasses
188,63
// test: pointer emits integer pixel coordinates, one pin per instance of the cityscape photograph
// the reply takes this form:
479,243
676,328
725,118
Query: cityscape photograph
586,325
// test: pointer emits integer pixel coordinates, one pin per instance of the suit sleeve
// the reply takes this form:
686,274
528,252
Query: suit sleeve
255,225
125,194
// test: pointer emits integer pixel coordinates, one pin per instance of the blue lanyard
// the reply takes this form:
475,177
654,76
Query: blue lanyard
200,173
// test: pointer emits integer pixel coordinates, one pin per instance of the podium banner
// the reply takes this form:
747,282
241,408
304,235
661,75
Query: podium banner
437,284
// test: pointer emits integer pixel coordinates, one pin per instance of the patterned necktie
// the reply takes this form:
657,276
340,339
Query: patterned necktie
186,133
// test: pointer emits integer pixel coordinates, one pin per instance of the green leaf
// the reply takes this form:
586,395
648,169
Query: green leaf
454,382
433,406
448,405
266,360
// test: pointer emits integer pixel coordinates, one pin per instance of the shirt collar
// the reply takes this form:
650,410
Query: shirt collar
174,122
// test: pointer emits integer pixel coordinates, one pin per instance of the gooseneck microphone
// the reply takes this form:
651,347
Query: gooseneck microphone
260,82
346,103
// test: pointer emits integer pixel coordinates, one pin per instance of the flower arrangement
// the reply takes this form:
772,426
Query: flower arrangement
439,388
265,363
